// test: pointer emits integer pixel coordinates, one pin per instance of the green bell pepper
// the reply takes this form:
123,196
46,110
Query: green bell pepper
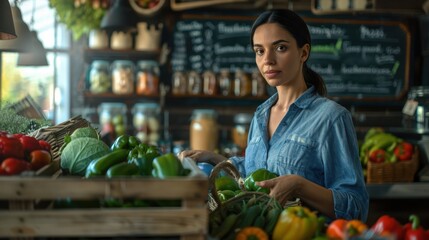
256,176
142,155
125,142
167,165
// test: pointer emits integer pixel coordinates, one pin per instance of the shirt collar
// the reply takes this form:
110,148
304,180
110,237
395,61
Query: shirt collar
302,101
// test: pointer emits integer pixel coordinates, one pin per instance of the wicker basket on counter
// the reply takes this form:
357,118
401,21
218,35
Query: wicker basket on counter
401,171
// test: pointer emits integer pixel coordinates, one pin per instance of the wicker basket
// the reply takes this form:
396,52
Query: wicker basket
402,171
55,135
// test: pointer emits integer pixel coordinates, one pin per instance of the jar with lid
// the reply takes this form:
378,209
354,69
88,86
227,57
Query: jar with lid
99,77
416,109
240,130
179,83
225,82
113,118
204,130
258,84
123,77
209,83
147,78
146,122
195,84
242,84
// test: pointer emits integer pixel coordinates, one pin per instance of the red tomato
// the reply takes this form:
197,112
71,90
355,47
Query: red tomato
14,166
39,158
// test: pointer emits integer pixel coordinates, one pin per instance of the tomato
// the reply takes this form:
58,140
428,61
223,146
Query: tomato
39,158
14,166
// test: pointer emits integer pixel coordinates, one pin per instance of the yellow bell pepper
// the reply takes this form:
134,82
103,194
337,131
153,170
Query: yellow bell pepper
295,222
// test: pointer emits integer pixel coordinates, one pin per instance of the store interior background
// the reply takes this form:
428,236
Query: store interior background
69,63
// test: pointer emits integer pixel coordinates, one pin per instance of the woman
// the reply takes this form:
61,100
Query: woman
298,133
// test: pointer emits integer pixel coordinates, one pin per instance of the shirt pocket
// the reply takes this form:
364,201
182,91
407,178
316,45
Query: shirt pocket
298,155
255,153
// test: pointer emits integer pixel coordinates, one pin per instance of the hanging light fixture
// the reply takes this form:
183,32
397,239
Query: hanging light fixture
120,17
7,29
19,44
36,56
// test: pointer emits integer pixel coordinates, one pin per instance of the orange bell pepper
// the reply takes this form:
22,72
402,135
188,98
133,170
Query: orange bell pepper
343,229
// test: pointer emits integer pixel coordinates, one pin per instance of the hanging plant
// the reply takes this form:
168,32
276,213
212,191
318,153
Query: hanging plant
79,16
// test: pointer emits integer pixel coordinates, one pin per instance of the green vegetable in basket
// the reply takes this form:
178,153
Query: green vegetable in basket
125,142
77,155
225,195
78,133
143,155
168,165
256,176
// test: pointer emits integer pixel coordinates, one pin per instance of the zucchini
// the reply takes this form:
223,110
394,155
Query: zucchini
123,169
99,166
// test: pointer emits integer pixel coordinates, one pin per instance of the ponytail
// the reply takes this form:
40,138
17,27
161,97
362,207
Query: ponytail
312,78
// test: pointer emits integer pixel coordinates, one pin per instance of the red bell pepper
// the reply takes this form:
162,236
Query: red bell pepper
45,145
388,225
10,147
377,156
14,166
404,151
413,230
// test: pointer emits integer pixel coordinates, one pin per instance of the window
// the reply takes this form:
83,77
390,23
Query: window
47,85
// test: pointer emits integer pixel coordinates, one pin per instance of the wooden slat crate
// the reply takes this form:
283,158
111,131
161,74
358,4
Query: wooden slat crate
23,219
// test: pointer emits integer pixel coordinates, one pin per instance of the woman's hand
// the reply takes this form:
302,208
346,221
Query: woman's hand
283,188
202,156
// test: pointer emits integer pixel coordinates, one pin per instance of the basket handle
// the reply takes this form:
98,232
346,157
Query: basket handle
231,170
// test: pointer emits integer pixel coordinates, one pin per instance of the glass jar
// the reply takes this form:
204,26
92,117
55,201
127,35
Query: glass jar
258,84
113,118
241,129
204,130
99,77
195,84
179,84
242,84
123,77
146,122
209,83
225,83
147,78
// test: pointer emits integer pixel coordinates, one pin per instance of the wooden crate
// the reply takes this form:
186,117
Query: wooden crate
401,171
24,218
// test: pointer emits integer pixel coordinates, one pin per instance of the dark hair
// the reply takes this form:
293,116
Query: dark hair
294,24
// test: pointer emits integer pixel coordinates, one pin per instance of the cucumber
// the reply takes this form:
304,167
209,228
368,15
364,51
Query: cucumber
99,166
123,169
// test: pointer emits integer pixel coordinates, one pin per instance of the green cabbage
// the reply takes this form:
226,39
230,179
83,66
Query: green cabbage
77,155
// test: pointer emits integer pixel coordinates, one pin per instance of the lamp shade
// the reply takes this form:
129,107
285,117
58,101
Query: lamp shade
19,44
35,57
7,29
120,17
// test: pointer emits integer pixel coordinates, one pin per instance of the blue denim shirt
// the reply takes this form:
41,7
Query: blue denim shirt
317,140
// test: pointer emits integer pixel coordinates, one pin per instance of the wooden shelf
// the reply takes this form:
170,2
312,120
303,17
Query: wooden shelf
95,99
111,55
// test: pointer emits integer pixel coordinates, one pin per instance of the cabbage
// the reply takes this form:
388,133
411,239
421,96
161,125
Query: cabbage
77,155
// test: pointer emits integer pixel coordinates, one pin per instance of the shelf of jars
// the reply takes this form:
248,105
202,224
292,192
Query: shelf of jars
111,54
132,98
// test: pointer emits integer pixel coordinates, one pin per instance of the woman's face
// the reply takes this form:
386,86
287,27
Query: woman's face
278,57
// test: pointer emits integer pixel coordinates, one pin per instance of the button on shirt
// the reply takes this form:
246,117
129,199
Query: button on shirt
316,140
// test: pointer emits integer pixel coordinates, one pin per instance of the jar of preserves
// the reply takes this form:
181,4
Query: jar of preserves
113,118
209,83
123,77
99,77
179,83
225,83
147,78
242,84
241,129
204,130
146,122
195,84
258,84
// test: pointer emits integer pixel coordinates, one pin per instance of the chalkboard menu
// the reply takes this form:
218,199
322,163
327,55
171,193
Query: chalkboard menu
360,59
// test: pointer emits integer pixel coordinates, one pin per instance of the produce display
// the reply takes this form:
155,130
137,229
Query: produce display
21,153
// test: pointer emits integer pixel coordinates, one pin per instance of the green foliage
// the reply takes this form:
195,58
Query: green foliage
81,19
12,122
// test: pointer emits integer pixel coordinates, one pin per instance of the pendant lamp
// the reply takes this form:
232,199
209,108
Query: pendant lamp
120,17
7,29
35,57
19,44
